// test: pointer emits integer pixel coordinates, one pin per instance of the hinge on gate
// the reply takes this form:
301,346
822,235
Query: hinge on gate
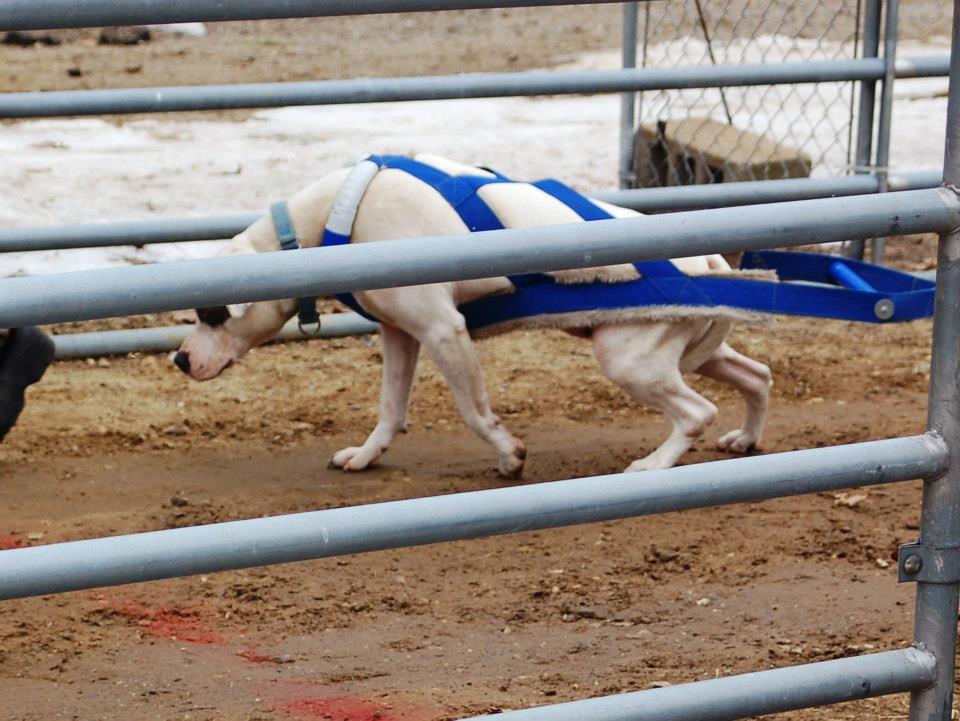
925,564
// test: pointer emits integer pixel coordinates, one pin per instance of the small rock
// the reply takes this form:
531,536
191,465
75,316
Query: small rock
593,612
176,430
25,40
705,601
36,536
74,72
849,501
882,563
179,501
660,684
123,36
285,658
665,555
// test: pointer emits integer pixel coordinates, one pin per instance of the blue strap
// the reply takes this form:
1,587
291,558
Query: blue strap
588,210
459,191
283,226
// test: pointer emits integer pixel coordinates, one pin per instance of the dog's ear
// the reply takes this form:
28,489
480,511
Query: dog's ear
213,317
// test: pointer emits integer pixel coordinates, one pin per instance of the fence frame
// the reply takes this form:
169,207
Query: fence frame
927,670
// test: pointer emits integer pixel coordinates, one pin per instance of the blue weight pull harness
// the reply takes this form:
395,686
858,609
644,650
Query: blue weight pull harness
825,287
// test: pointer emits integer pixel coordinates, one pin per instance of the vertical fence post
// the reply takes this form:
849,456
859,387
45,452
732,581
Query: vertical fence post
890,33
935,625
628,101
868,94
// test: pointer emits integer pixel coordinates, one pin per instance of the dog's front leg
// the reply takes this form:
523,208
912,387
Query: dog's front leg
400,351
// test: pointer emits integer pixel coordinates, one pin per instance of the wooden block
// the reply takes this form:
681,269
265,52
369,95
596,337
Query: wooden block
703,150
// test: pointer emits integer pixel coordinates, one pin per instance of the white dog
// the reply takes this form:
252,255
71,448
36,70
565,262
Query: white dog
646,358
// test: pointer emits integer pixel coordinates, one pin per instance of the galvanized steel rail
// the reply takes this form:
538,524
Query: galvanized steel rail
161,340
76,565
55,14
53,103
104,293
750,694
689,197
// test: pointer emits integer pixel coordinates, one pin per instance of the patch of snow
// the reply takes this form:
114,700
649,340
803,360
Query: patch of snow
88,170
196,30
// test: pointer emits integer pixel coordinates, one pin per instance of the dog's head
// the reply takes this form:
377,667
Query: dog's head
210,348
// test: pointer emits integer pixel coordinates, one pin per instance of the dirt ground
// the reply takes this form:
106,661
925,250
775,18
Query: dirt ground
439,632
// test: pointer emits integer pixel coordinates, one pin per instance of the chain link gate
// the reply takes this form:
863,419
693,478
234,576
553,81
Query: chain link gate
743,133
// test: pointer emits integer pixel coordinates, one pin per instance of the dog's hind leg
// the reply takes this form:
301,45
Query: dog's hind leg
400,351
645,362
753,380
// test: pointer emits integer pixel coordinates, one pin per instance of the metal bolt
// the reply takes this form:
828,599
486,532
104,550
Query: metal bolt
884,309
912,564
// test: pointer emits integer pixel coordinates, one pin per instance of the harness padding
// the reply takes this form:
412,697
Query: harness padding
347,203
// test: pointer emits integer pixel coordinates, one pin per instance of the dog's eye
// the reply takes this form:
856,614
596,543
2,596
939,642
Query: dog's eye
213,316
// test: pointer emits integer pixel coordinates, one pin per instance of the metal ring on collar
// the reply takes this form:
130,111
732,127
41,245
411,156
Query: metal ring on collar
314,332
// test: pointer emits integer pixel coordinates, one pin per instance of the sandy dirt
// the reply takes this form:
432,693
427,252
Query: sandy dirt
129,444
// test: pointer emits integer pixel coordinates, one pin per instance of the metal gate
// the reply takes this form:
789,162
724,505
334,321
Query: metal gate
925,668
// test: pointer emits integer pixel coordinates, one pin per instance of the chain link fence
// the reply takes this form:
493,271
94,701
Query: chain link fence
753,133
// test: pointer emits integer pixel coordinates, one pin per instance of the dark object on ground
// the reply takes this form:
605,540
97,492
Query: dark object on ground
74,72
124,36
24,356
26,40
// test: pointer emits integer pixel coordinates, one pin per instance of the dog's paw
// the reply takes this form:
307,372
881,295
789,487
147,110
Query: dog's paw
353,459
644,464
510,468
737,441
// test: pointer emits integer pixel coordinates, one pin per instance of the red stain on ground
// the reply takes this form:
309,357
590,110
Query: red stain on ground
8,543
180,624
343,708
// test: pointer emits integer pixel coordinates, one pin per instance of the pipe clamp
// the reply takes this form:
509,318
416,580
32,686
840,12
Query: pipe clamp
926,564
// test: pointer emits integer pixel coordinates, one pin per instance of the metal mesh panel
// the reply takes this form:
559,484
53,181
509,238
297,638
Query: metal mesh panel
756,133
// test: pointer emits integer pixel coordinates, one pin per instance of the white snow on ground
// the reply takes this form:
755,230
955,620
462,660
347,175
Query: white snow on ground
88,170
196,30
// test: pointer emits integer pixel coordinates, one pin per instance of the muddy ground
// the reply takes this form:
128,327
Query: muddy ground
129,444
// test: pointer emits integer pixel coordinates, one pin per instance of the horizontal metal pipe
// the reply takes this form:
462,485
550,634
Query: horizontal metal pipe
132,232
924,66
751,694
437,87
177,285
54,14
717,195
178,552
687,197
160,340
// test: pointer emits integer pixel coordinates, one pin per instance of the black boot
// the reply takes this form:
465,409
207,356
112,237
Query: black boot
24,356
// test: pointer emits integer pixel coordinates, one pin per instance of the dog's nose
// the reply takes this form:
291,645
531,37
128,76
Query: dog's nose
182,361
